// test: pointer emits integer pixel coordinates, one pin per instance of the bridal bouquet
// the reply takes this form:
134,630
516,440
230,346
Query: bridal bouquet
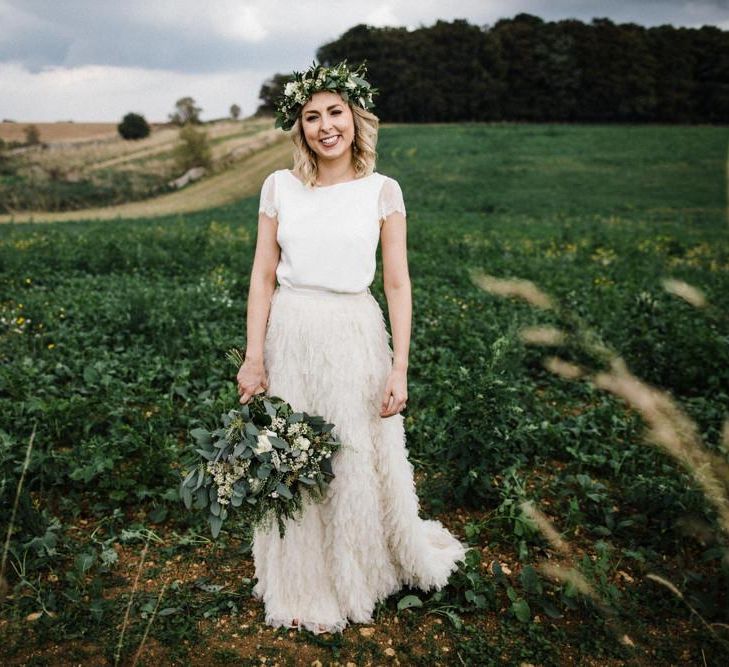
265,460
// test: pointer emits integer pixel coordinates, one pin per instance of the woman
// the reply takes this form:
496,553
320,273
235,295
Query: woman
319,341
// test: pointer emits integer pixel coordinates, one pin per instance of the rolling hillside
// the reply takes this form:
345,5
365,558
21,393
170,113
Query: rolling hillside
243,152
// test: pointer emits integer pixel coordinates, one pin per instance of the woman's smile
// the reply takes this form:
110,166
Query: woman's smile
331,141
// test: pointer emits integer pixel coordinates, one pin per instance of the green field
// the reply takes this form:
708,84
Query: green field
113,341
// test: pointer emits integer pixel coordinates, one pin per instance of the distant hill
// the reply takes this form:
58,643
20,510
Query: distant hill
82,170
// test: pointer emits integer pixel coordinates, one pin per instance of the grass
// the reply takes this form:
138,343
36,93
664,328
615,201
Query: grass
113,340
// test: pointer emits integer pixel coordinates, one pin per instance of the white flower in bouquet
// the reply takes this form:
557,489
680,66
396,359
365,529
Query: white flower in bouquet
295,429
263,444
302,443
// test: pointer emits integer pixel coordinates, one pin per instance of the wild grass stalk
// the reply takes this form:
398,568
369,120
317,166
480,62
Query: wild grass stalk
570,574
669,427
4,586
117,654
149,623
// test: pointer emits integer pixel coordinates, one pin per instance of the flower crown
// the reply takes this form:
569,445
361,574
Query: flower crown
339,78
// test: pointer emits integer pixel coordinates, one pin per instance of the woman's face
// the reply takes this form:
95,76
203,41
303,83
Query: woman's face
326,116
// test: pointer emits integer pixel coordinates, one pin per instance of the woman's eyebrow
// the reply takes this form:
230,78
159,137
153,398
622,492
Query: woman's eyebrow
331,106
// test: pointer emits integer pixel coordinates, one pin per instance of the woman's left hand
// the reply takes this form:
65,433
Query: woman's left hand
396,393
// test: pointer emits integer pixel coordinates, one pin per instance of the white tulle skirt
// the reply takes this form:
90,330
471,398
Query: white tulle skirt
328,353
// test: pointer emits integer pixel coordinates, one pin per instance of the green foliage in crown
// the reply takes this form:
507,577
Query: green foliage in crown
349,83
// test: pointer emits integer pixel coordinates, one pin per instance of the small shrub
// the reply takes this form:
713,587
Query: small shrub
193,149
133,126
32,135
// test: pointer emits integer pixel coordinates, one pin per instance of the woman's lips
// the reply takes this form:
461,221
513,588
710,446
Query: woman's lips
330,145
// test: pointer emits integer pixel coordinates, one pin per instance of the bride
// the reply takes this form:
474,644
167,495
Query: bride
317,337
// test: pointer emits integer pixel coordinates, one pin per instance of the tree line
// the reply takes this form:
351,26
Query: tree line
528,69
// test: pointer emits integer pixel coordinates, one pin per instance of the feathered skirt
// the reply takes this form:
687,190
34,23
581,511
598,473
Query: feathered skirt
328,353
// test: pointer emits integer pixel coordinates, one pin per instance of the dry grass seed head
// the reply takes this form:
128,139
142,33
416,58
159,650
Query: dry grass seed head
514,287
542,335
683,290
672,430
545,526
569,575
564,369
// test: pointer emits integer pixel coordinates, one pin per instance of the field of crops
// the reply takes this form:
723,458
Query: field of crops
113,342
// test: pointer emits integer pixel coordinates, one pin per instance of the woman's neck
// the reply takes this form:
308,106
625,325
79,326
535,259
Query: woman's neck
335,171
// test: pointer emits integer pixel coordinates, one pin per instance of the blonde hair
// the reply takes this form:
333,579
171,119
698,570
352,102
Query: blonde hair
364,153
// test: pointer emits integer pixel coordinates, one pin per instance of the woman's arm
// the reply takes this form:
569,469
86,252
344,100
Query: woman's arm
252,373
396,279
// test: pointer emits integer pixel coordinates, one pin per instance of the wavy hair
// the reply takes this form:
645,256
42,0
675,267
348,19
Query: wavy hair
364,147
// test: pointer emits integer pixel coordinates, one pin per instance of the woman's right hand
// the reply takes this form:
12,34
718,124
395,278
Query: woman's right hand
251,376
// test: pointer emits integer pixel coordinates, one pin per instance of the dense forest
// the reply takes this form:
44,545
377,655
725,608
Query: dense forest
528,69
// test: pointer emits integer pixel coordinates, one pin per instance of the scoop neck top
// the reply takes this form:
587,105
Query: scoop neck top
333,185
328,235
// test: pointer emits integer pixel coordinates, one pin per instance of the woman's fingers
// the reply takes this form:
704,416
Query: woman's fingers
393,405
247,394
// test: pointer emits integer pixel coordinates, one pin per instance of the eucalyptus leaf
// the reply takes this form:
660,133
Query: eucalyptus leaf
200,477
186,496
215,525
278,442
284,491
201,436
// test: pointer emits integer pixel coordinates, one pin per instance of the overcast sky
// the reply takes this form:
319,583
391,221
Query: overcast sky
95,60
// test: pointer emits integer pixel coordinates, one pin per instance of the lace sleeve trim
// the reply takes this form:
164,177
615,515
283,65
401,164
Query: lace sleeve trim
267,202
391,199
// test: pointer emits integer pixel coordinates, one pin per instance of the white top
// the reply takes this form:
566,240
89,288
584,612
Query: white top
328,234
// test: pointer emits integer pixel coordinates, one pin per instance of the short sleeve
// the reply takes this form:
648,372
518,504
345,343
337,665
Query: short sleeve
268,197
391,199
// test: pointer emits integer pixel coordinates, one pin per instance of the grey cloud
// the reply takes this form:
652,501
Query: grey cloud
104,36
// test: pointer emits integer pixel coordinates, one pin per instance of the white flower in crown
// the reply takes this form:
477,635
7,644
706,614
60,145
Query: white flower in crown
351,84
290,88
